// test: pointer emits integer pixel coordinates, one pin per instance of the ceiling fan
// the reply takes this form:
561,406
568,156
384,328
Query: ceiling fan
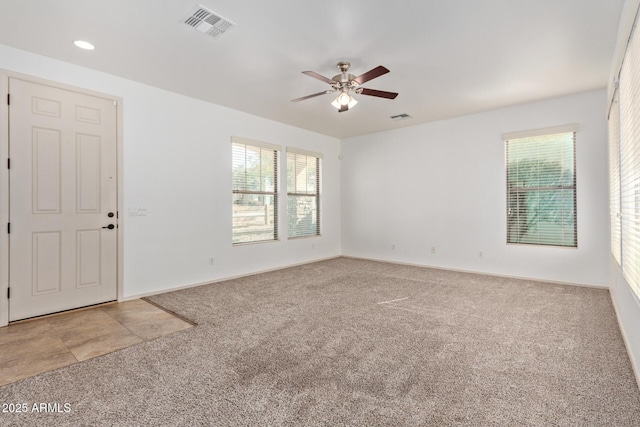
345,83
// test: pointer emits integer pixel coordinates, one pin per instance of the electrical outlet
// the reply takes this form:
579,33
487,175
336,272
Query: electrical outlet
212,261
433,249
480,254
393,247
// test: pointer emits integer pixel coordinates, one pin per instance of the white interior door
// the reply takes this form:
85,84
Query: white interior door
63,193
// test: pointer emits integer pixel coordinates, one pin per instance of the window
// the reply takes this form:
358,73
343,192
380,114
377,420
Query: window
629,134
255,191
303,192
541,187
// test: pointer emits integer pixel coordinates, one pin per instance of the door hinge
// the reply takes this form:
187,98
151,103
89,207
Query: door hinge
8,99
8,228
8,293
8,163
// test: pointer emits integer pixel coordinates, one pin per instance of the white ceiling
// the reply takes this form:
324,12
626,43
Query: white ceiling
447,57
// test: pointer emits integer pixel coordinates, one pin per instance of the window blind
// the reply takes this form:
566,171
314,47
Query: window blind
630,162
255,191
614,177
303,193
541,189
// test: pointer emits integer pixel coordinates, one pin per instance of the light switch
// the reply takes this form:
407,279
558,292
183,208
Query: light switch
137,211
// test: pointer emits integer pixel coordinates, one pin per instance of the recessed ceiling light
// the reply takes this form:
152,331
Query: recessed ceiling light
84,45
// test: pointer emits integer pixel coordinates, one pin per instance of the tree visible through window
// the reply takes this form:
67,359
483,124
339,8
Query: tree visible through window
255,191
541,190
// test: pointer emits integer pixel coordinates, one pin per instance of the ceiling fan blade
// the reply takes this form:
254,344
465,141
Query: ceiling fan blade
343,108
311,96
318,76
378,93
371,74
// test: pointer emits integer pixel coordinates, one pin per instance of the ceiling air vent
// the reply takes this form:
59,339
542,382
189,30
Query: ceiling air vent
207,22
402,116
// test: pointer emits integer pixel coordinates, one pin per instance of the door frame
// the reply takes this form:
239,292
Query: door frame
5,75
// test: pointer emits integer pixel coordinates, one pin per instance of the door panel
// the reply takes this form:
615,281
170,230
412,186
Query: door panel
46,262
62,183
88,244
46,170
88,184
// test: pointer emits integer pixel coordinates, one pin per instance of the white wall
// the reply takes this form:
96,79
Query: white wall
177,165
443,185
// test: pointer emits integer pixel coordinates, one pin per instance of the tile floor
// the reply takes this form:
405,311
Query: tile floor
35,346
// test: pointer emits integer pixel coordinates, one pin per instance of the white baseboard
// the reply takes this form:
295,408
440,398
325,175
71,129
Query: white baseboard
634,363
482,273
223,279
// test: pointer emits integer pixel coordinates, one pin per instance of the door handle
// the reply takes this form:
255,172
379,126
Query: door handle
110,226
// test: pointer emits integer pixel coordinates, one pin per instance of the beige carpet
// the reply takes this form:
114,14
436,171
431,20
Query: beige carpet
352,342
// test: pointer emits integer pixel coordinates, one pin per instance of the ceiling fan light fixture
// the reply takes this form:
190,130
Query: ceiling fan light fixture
344,99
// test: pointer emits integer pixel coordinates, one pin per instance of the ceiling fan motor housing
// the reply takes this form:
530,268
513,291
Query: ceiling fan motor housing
344,80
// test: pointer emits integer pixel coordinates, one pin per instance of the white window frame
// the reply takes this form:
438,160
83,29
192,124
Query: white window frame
263,192
615,217
545,237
